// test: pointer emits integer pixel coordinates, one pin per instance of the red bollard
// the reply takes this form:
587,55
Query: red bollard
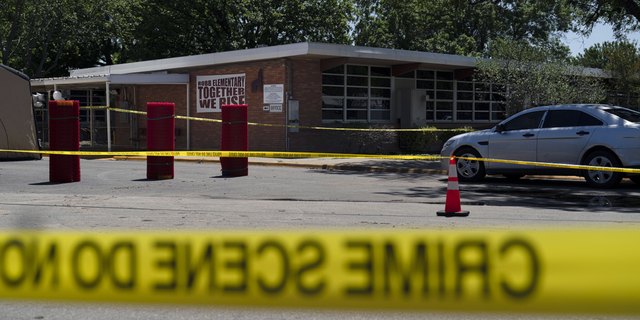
64,128
235,137
160,137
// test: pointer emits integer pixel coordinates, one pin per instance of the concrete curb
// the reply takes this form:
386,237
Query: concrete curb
302,165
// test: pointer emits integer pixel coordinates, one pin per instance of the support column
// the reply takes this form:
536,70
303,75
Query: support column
160,137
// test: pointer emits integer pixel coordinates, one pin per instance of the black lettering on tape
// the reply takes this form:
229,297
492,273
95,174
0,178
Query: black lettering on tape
128,249
17,279
170,263
285,267
315,245
366,266
207,258
482,267
89,247
441,270
240,264
419,265
535,268
50,259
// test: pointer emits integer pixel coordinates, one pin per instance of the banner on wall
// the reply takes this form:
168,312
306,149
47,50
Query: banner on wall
216,91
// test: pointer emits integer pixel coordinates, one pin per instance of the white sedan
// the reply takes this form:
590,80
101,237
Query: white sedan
589,134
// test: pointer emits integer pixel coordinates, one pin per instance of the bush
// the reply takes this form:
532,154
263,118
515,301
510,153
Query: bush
416,141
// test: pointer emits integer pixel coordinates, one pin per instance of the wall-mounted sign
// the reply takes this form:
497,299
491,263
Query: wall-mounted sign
265,108
215,91
275,107
273,93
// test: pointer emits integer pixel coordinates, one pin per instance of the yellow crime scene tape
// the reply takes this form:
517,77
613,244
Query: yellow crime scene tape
584,271
269,154
282,125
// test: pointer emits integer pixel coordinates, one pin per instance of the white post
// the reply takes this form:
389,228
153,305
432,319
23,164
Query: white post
108,119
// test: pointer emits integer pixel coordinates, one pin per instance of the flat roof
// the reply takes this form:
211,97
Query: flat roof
312,50
99,81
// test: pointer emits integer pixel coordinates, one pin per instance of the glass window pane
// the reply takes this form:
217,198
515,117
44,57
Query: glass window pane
356,104
358,81
444,85
482,87
380,115
380,72
336,70
498,97
588,120
381,82
357,92
444,115
332,91
530,120
335,80
430,115
498,107
444,105
424,84
444,75
465,86
381,93
332,114
444,95
357,115
464,116
380,104
358,70
465,95
483,106
332,103
482,115
465,105
430,105
425,74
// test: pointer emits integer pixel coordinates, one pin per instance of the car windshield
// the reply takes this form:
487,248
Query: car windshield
626,114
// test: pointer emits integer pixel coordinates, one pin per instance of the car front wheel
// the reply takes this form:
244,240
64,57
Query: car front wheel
469,170
602,179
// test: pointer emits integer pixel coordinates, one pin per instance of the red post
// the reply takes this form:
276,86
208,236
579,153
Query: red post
64,128
160,137
235,137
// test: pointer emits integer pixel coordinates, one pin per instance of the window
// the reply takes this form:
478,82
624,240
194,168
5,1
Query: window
529,120
569,118
356,93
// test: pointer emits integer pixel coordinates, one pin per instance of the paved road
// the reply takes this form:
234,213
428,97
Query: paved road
115,195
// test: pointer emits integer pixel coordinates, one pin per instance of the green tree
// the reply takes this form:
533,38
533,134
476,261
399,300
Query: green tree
457,26
171,28
622,60
622,15
49,37
536,75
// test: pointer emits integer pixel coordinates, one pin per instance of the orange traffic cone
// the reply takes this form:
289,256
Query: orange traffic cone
452,206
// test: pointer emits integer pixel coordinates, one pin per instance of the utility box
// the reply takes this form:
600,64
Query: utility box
412,104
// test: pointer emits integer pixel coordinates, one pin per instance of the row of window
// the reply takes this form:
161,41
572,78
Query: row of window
363,93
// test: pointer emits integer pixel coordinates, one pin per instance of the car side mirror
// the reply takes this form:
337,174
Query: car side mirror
500,128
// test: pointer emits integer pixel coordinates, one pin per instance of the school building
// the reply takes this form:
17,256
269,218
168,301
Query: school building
302,84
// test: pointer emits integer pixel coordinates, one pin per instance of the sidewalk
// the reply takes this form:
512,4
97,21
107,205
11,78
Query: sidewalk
353,164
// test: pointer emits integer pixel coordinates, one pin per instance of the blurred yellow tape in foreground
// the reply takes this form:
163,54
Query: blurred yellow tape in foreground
543,271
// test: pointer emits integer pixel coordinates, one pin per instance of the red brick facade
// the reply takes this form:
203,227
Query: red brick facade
302,81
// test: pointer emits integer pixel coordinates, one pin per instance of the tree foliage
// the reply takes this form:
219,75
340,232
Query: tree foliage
622,15
622,60
462,27
536,75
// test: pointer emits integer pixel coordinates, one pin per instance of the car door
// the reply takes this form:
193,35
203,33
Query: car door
518,141
563,136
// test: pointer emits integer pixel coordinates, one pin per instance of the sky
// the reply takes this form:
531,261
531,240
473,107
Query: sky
600,34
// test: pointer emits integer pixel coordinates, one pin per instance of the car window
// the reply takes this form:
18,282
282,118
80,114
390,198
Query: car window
569,118
626,114
529,120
